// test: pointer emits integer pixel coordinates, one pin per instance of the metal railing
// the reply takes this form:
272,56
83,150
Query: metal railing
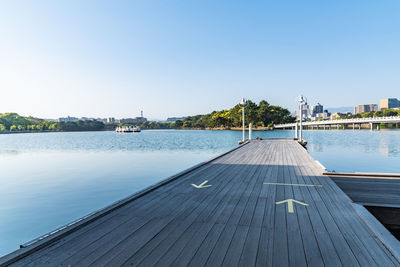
391,119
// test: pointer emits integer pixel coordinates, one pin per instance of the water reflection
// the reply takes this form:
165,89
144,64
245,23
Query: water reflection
352,151
315,147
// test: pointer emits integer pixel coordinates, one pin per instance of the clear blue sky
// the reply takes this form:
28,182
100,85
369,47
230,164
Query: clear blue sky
174,58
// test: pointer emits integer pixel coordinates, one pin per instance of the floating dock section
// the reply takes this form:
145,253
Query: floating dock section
265,203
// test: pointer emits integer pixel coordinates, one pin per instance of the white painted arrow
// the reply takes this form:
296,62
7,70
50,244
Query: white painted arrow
290,204
202,185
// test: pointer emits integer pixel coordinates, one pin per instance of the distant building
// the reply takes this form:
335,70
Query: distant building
318,108
172,119
137,120
365,108
339,115
109,120
389,103
68,119
90,119
323,115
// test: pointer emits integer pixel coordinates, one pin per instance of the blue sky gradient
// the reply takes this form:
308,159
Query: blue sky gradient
175,58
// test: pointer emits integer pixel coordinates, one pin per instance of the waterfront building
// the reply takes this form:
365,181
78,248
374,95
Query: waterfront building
111,119
389,103
365,108
318,108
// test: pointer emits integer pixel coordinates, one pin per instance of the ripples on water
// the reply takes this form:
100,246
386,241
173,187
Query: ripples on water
50,179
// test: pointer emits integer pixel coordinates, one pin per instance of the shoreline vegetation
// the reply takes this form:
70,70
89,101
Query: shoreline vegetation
263,116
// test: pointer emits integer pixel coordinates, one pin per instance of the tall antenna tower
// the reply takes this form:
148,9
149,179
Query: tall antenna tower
141,113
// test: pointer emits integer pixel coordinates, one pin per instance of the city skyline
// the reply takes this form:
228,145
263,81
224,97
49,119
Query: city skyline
103,59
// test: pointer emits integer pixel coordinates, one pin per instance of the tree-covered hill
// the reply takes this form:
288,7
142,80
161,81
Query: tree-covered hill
16,123
263,115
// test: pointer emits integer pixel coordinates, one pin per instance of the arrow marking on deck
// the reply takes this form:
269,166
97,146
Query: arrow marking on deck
295,184
202,185
290,204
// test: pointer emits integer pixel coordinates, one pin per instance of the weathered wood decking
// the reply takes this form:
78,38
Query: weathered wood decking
235,221
371,191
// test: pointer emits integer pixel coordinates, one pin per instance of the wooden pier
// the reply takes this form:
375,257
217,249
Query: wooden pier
265,203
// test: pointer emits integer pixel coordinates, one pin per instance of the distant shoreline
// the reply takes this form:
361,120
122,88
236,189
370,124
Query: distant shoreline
109,130
49,131
181,129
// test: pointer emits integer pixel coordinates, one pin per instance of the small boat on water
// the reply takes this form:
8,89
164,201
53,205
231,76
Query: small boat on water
128,129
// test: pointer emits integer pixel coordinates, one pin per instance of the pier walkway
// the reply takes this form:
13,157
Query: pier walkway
265,203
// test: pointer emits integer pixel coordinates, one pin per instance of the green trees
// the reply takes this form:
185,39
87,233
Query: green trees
178,124
88,125
381,113
9,119
53,127
390,112
156,125
262,114
15,122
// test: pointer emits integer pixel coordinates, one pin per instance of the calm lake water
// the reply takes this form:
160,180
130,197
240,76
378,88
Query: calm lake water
50,179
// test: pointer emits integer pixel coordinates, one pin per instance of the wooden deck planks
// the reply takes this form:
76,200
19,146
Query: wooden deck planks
341,212
371,191
353,223
119,254
280,243
311,245
236,221
229,217
296,255
209,206
326,226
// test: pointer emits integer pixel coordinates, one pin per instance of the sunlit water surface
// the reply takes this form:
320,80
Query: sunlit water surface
50,179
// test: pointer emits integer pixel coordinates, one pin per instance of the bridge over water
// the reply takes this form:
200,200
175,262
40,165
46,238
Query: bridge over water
342,123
